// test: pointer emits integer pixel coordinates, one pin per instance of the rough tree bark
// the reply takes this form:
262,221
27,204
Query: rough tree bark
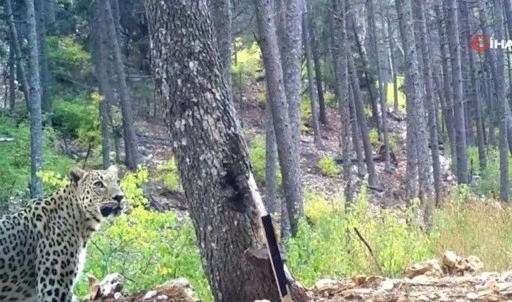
211,152
36,120
287,153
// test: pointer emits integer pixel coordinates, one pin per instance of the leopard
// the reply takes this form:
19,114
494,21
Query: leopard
43,244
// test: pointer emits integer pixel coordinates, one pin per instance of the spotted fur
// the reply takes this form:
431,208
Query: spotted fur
42,246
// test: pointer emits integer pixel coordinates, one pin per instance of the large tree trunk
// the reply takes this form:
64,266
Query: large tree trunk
287,153
36,120
211,152
130,137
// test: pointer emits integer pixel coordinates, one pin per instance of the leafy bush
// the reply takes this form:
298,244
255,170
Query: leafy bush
247,64
327,166
170,175
305,112
79,119
374,137
67,58
401,94
330,99
488,184
257,154
15,157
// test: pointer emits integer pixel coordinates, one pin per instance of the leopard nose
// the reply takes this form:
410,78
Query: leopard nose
118,198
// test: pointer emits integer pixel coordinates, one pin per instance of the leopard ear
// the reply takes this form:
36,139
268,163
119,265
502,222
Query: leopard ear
113,169
75,174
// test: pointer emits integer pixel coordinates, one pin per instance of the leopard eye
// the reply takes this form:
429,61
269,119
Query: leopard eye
118,182
99,184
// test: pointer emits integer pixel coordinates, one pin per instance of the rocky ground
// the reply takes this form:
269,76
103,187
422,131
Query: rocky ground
449,278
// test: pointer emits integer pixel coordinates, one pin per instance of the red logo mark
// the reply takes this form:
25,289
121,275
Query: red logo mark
480,43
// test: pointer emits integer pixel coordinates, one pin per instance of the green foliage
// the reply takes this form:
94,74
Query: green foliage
394,243
148,248
15,156
170,175
488,184
257,154
401,94
247,64
374,137
261,97
330,100
327,166
67,58
79,119
305,112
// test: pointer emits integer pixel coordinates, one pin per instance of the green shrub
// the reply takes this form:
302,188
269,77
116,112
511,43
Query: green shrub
171,175
305,112
15,156
330,99
328,166
67,58
257,154
247,64
374,137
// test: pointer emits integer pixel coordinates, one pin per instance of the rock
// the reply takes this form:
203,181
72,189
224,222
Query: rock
150,294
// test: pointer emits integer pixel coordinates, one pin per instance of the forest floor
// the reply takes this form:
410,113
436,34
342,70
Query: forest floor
156,149
449,278
432,280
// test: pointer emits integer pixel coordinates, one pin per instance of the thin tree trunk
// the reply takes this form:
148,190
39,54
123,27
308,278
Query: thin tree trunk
287,153
12,74
382,84
416,112
311,88
475,93
36,120
359,110
315,49
458,105
447,88
130,137
44,71
419,15
101,55
504,112
338,36
270,160
17,50
221,12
